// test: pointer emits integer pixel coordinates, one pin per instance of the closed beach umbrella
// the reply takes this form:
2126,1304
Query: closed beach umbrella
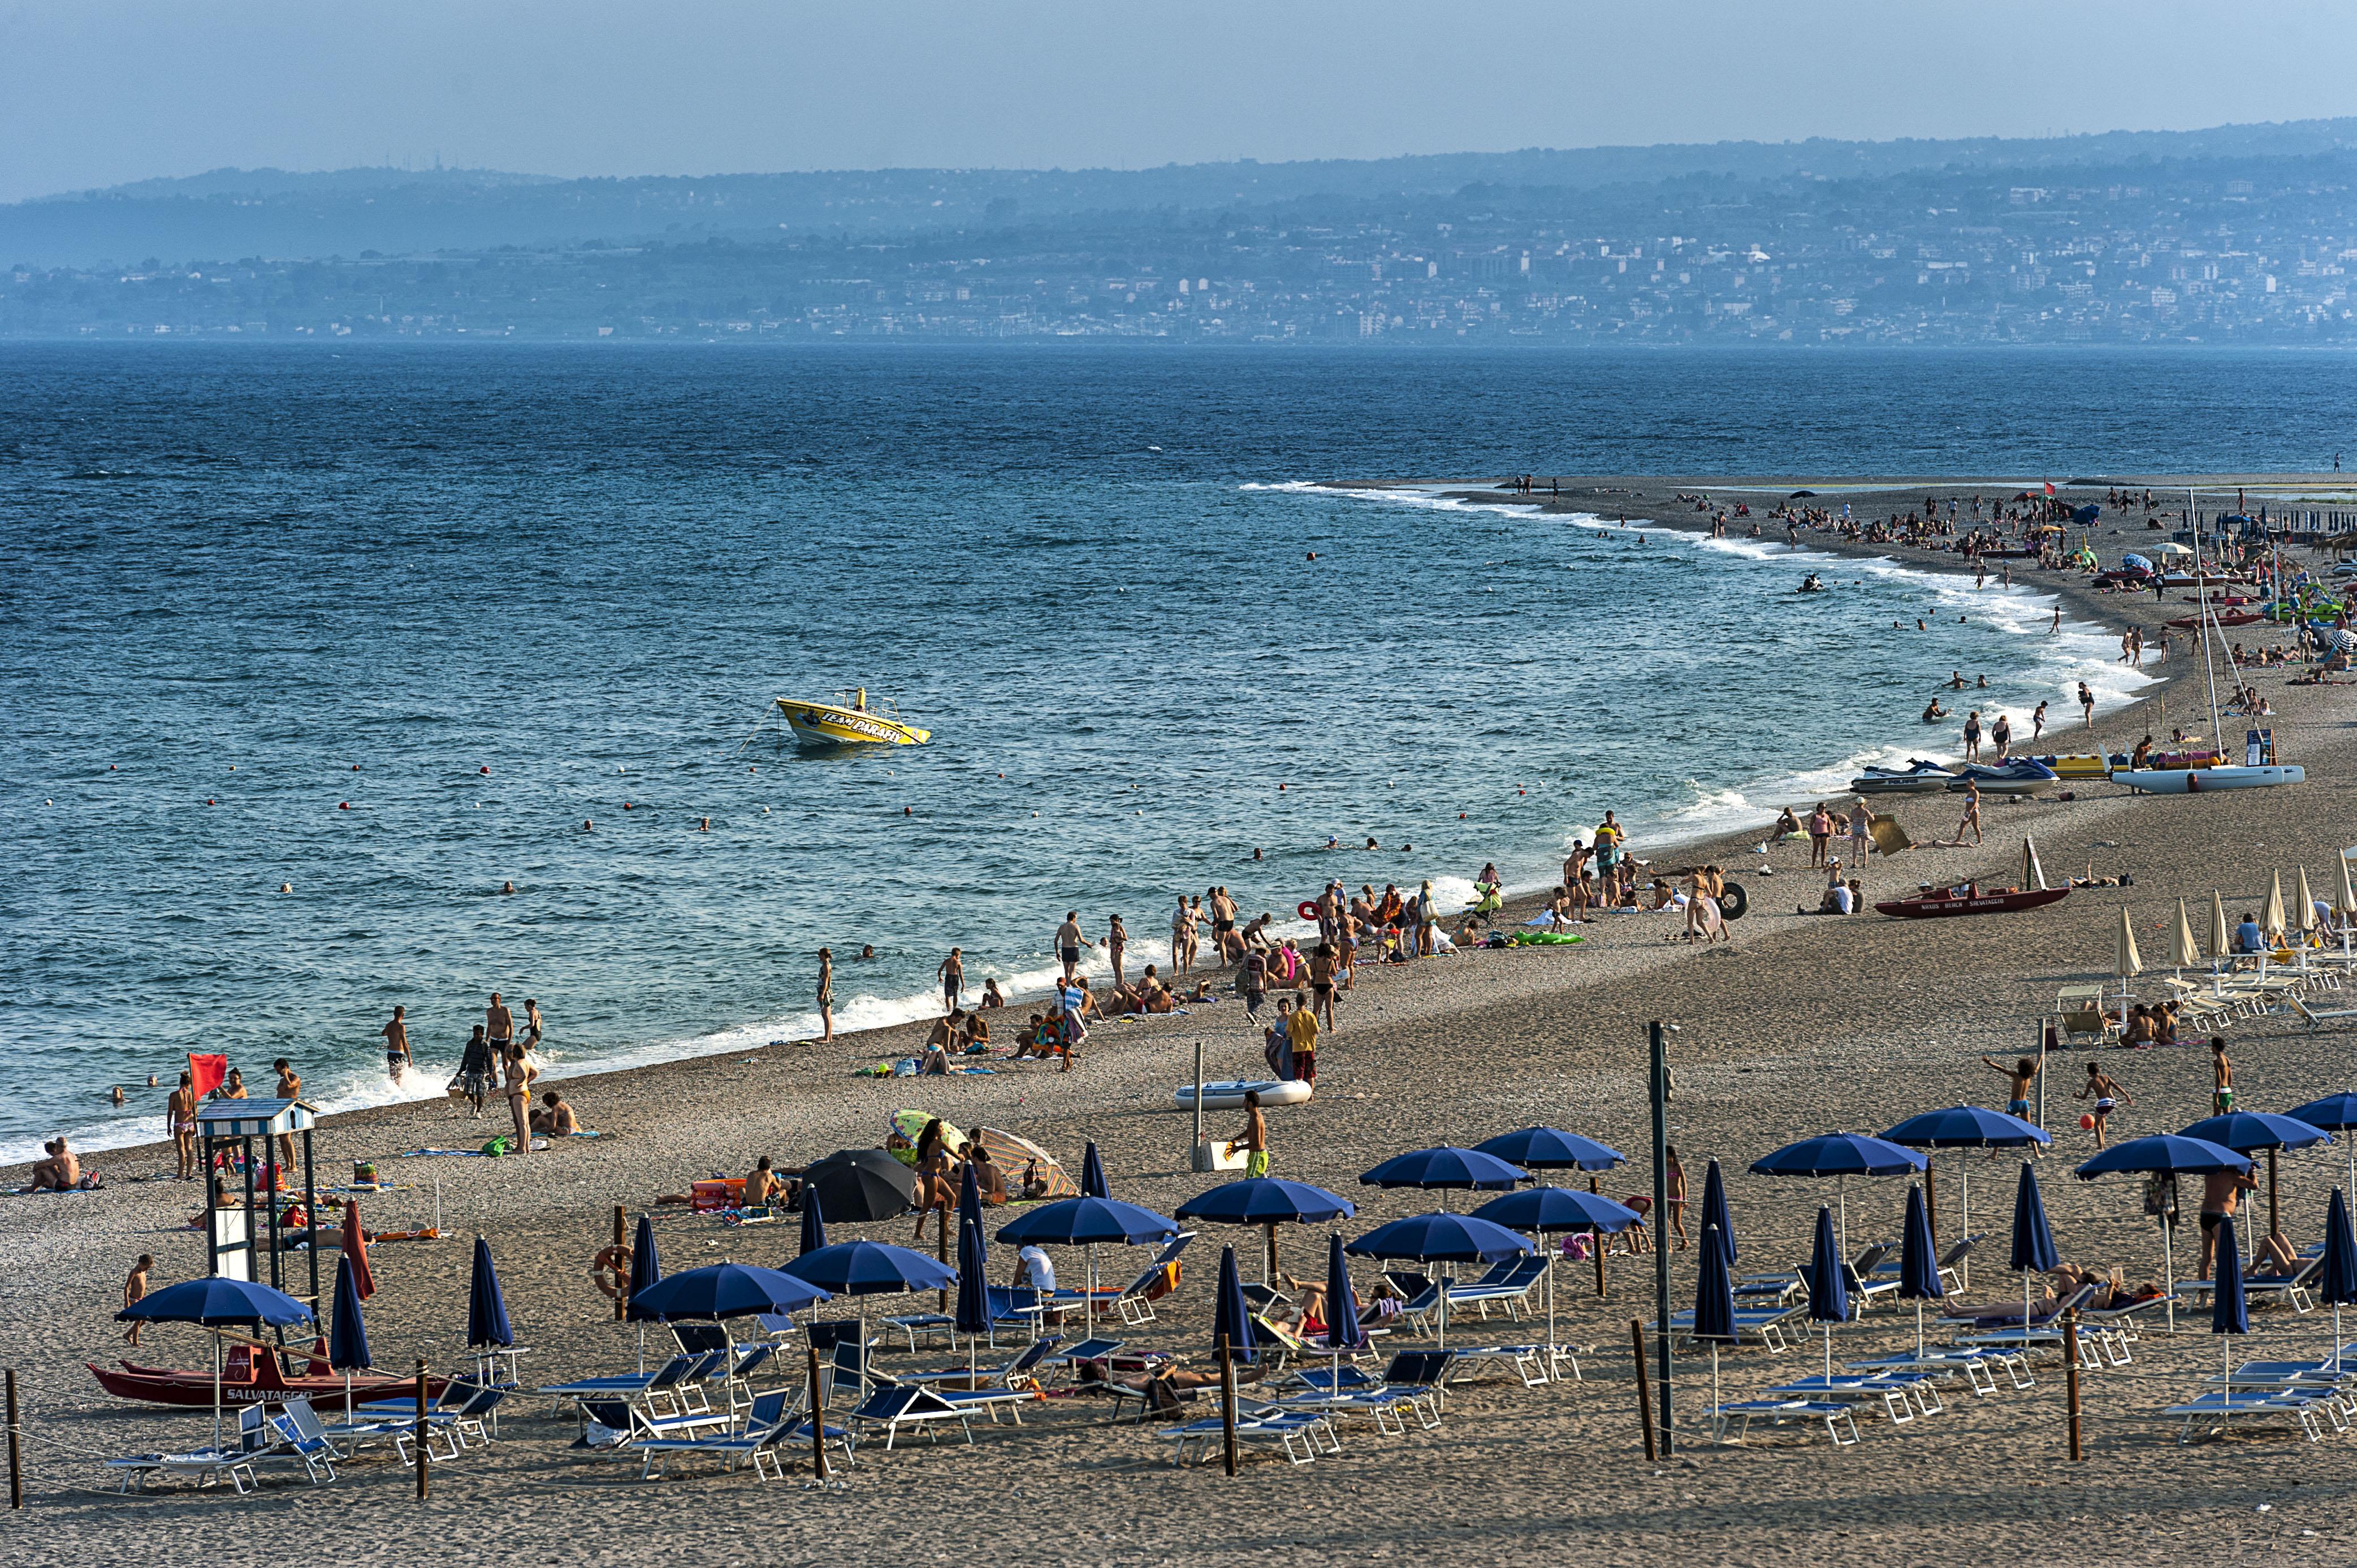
1231,1320
2334,1113
1963,1127
2033,1240
1713,1212
1546,1148
2271,920
1919,1263
2171,1154
2248,1132
814,1219
2306,904
2230,1309
347,1348
487,1307
2127,963
860,1186
1714,1316
1840,1155
2222,940
1443,1168
1093,1176
1828,1291
2337,1280
1442,1238
2184,952
356,1249
217,1302
972,1318
1343,1331
2348,890
646,1268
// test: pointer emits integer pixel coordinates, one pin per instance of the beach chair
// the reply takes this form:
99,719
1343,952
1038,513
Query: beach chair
1902,1392
1762,1291
290,1444
1951,1265
1301,1435
2079,1012
1133,1306
2318,1017
1865,1290
1977,1366
1018,1373
894,1406
2261,1290
1508,1285
1527,1362
2043,1332
628,1385
207,1467
1738,1415
1763,1327
2215,1411
461,1419
774,1423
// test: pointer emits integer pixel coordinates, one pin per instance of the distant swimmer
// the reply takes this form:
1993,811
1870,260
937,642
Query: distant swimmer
1936,712
1811,584
1955,681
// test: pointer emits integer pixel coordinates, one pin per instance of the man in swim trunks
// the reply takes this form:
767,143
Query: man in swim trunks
2221,1074
1607,841
2109,1096
499,1028
290,1087
1223,923
2017,1078
1069,941
1301,1030
397,1058
826,994
953,977
2220,1191
1254,1138
180,1113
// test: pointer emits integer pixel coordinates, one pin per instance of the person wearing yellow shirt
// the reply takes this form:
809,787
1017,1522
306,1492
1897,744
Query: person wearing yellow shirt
1301,1030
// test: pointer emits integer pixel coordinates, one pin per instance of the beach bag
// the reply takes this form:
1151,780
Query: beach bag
503,1144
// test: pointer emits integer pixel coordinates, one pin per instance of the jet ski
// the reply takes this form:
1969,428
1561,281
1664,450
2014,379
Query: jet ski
2019,776
1917,777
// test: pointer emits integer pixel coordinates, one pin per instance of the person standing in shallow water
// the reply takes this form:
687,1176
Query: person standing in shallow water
826,994
1116,943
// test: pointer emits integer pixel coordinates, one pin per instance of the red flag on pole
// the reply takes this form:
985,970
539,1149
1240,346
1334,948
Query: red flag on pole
205,1072
2049,487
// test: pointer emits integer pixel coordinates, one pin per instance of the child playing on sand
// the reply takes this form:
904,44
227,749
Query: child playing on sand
2108,1095
133,1289
2017,1078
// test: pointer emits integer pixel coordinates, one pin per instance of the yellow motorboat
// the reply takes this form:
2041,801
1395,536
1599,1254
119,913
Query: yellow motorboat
852,718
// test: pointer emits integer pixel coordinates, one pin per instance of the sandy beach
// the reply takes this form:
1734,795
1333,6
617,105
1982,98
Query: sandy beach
1799,1025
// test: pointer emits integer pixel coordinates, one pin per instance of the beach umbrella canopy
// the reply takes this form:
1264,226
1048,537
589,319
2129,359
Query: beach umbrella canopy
1966,1127
2230,1307
2244,1131
1713,1212
870,1268
1266,1201
1343,1331
1444,1167
2348,890
1838,1155
2271,922
1084,1222
216,1302
2033,1240
2222,940
2162,1152
1440,1238
646,1268
1828,1291
2337,1281
859,1187
487,1307
814,1219
2334,1112
1919,1261
1713,1292
356,1249
2184,952
2307,902
2127,963
1558,1209
1545,1148
1231,1320
1093,1176
724,1290
348,1346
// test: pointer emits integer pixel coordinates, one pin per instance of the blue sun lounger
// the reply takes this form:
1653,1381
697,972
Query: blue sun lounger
2217,1409
1300,1434
205,1465
772,1423
1738,1416
628,1385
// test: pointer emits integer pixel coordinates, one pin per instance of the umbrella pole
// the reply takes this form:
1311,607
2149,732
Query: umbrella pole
1919,1328
1718,1432
1550,1295
1841,1188
217,1378
2168,1263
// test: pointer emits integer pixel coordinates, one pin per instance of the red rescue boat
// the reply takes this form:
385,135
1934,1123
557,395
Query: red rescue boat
1971,898
248,1378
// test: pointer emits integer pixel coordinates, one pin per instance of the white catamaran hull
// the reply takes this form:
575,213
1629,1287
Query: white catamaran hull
2199,780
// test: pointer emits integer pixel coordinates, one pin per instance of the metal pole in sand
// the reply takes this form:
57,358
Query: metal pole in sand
1644,1395
818,1418
623,1295
1228,1404
424,1461
1661,1210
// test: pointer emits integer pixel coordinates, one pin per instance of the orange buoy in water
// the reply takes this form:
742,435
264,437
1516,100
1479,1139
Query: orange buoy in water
482,770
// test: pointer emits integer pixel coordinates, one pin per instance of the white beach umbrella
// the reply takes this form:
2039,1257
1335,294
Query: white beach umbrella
2271,922
2306,904
2348,893
2183,950
2221,940
2127,963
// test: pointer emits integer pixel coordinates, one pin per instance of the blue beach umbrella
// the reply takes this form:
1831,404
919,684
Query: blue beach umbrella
2171,1155
2248,1132
2230,1307
973,1318
217,1302
487,1307
1547,1148
348,1346
1093,1176
646,1268
1828,1291
1713,1306
720,1291
2033,1240
1966,1127
813,1220
1270,1202
2334,1113
1343,1330
1440,1238
1231,1321
1919,1263
1840,1155
2338,1278
1442,1168
1545,1209
1713,1212
1088,1222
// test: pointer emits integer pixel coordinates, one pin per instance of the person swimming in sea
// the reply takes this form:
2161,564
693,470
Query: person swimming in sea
1935,713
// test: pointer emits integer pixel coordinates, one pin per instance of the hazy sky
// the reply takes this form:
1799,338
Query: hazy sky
93,92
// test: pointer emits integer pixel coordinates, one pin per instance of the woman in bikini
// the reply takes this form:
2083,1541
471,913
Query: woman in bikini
519,1075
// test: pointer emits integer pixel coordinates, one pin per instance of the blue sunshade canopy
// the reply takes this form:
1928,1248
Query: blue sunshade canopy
1265,1200
1557,1209
2244,1131
1919,1260
1828,1291
2337,1281
1547,1148
870,1268
348,1345
1086,1222
2033,1239
216,1300
2163,1151
1440,1238
487,1306
1445,1167
1713,1292
2333,1112
1839,1155
1966,1127
725,1289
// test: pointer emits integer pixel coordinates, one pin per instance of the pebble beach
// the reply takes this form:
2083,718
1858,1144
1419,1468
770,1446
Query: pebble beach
1799,1025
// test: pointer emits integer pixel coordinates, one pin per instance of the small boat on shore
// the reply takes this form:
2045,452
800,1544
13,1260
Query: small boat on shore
1971,899
851,718
1229,1095
250,1377
1920,777
2201,780
2231,618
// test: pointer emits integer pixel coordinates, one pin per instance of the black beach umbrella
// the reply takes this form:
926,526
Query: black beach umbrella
859,1187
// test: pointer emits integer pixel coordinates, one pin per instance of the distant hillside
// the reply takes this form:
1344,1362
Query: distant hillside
231,214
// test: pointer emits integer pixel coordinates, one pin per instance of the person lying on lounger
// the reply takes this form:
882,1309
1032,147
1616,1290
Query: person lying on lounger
2275,1260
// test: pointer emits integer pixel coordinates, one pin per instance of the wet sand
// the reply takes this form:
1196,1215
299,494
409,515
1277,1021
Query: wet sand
1801,1025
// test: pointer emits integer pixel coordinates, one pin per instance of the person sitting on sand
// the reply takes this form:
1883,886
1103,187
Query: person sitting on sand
61,1172
1787,824
554,1118
989,1181
991,995
761,1187
978,1035
1035,1185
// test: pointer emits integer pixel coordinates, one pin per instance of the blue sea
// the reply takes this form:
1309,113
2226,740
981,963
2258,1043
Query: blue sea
386,626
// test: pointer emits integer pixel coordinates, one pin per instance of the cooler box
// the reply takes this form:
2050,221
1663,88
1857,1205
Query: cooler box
1214,1156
